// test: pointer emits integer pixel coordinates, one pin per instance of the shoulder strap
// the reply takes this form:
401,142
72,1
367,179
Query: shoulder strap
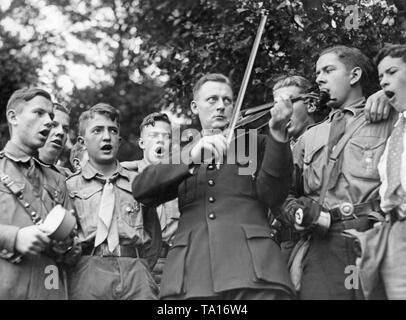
358,123
18,194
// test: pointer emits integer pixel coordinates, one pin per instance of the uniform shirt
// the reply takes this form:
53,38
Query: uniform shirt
86,188
26,280
168,213
389,203
358,180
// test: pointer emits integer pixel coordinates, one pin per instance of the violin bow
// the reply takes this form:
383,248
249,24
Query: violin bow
247,74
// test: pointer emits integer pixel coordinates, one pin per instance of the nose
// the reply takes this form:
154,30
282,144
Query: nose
320,79
220,105
384,82
106,135
48,121
58,130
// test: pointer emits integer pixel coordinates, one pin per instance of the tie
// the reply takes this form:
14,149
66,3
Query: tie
337,130
394,162
107,224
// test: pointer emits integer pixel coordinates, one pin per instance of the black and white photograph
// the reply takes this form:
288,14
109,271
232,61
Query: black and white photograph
202,154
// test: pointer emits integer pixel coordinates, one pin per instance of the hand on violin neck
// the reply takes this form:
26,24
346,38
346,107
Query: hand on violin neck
209,148
281,114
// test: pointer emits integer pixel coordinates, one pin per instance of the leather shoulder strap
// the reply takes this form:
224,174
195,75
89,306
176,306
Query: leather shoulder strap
357,124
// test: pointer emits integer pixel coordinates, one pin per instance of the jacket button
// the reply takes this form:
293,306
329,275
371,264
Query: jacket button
212,215
211,182
212,199
210,167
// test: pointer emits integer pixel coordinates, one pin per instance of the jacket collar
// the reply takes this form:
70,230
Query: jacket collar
355,108
13,152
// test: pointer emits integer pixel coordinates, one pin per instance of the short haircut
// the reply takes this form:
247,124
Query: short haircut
62,108
302,83
352,58
393,51
215,77
19,97
103,109
150,119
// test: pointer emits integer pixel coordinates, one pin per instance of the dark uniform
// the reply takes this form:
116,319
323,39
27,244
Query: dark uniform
42,188
223,246
125,273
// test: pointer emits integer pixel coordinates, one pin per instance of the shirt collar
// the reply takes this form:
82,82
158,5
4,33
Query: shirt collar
13,152
355,108
89,172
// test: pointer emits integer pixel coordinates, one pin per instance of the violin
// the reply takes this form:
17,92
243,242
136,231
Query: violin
258,117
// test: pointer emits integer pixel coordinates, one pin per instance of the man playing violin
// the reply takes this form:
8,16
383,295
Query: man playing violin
340,182
223,249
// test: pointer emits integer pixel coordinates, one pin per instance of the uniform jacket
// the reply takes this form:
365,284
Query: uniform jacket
358,180
26,280
223,239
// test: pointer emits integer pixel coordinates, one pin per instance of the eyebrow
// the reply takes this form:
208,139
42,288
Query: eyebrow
386,70
325,67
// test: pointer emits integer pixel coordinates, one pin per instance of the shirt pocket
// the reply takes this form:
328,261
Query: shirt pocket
313,167
87,204
364,155
131,213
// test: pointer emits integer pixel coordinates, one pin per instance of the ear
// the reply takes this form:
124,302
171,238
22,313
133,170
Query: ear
141,143
355,75
81,141
11,116
194,107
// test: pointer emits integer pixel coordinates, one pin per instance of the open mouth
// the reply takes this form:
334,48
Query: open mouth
107,147
159,151
389,94
44,133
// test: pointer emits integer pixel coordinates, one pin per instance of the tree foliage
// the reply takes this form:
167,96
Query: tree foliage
189,40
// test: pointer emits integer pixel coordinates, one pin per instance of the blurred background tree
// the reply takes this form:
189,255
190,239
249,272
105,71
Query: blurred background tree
145,55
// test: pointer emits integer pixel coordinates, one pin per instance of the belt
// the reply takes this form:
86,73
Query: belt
102,250
348,211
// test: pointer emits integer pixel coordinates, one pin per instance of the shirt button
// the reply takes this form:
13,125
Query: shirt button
210,167
211,182
212,215
212,199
